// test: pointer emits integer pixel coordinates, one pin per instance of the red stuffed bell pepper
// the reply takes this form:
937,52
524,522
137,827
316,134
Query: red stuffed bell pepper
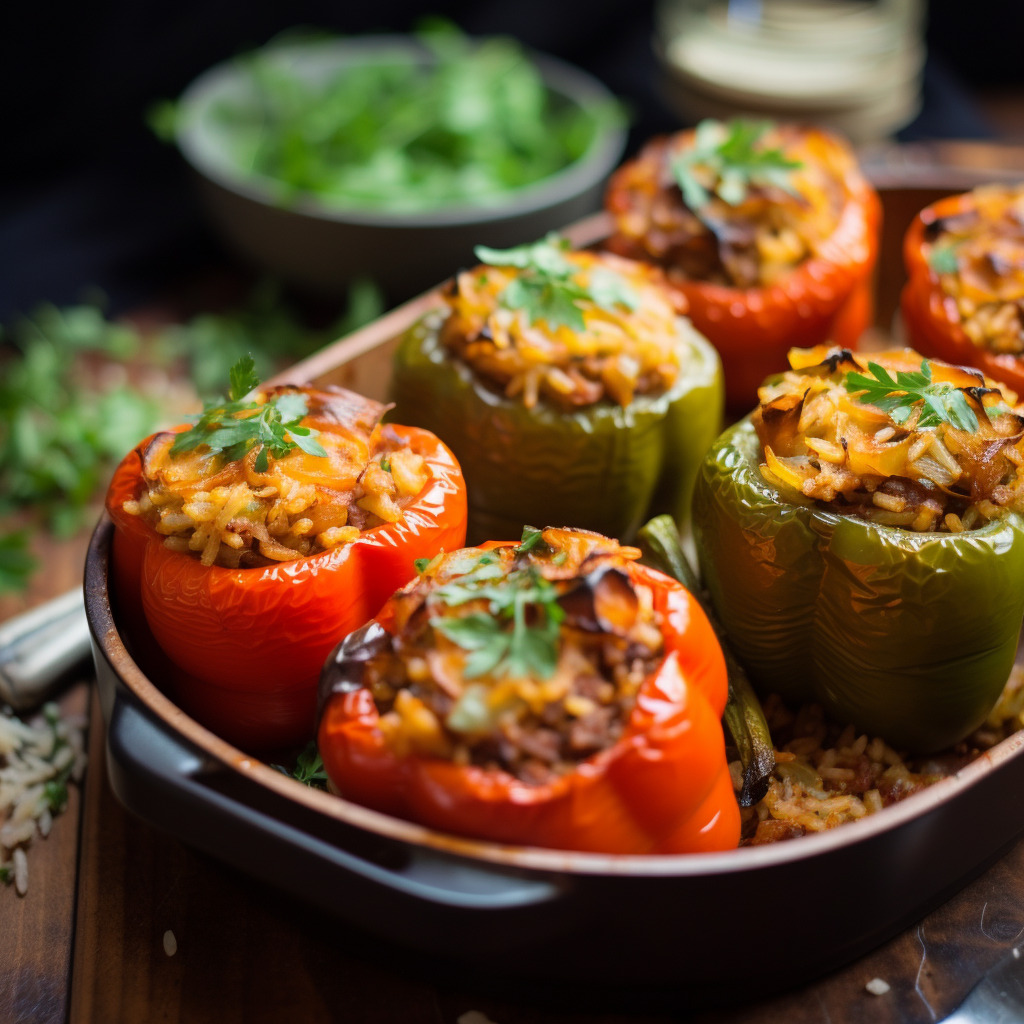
250,561
770,231
962,302
551,693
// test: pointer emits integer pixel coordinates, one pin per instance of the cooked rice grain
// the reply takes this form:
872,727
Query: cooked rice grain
827,775
37,760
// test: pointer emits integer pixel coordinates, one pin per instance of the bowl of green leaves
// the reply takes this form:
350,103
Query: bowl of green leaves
325,159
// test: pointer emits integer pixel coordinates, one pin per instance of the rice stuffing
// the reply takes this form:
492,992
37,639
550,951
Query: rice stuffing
237,514
978,257
624,343
828,775
823,441
706,234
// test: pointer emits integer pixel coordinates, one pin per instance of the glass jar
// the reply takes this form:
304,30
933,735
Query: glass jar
852,65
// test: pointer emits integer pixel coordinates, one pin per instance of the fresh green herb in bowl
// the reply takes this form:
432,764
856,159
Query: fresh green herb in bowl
393,155
397,124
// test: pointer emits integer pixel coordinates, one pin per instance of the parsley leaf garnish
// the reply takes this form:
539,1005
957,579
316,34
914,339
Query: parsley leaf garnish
309,767
531,538
233,428
910,390
942,259
734,154
518,635
547,289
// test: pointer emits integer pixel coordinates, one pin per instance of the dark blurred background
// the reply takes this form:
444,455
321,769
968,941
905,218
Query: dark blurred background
90,198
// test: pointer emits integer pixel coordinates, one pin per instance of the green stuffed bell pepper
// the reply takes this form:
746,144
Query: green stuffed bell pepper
861,540
569,387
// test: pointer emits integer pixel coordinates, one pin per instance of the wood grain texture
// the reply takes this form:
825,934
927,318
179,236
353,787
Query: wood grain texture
36,930
248,954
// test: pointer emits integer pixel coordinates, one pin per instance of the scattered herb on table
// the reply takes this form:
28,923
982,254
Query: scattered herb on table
16,562
77,390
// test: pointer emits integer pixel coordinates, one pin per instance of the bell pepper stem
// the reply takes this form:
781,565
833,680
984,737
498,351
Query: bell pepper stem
743,717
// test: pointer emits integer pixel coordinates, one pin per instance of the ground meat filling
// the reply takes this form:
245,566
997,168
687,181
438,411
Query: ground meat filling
824,440
557,684
750,243
978,257
231,514
616,334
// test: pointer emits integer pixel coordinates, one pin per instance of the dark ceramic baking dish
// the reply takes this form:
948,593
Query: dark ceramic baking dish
792,910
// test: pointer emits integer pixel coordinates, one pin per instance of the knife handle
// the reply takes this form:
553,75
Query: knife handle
40,647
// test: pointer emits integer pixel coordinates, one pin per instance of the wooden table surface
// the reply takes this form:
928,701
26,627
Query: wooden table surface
87,942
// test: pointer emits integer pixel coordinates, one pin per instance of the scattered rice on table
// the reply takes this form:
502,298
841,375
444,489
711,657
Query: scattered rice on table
37,760
827,775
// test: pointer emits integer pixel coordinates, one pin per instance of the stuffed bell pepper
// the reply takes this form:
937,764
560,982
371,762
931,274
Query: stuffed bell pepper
569,387
964,297
770,231
552,692
861,538
250,542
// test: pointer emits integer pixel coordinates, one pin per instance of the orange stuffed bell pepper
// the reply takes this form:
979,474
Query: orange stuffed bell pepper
249,544
551,693
770,231
962,302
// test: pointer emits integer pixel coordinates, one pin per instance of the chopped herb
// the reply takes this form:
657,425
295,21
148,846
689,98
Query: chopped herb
243,379
547,289
913,391
233,428
309,767
519,633
421,564
531,538
735,155
6,875
56,792
385,464
65,419
942,259
16,562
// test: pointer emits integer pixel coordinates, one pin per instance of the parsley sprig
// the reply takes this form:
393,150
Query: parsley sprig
912,391
308,769
233,428
518,635
734,153
548,289
943,259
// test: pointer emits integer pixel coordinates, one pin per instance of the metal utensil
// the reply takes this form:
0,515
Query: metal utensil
998,998
40,647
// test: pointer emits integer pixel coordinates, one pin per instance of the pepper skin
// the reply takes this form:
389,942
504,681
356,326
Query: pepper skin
930,316
605,468
910,636
827,298
242,649
663,787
